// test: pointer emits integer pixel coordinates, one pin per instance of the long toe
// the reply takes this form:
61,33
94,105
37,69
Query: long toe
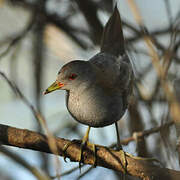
66,147
81,158
92,147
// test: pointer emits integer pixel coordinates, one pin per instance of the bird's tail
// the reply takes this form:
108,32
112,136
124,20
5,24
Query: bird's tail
112,41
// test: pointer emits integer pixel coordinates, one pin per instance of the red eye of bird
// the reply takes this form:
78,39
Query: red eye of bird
72,76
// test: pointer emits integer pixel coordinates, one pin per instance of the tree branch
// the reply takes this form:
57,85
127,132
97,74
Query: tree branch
106,157
145,133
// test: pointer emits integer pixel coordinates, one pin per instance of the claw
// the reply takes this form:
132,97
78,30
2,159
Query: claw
84,143
90,146
66,147
124,160
93,148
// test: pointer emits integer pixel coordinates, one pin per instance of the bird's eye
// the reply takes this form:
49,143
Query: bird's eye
72,76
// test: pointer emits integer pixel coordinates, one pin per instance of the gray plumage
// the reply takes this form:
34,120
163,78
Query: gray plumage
98,93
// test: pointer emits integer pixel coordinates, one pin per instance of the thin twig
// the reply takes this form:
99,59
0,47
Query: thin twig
85,172
18,38
166,85
67,172
168,11
37,114
146,133
39,175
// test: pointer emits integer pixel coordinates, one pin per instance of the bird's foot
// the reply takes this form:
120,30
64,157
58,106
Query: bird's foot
122,156
84,144
66,147
123,160
92,147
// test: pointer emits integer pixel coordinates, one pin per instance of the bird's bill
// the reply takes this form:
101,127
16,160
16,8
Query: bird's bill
53,87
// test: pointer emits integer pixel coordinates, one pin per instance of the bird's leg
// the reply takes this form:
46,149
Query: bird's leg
142,158
66,147
124,154
119,148
84,143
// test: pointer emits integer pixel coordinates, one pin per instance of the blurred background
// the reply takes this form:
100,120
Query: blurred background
38,36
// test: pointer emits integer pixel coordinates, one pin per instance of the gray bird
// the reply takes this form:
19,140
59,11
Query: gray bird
98,90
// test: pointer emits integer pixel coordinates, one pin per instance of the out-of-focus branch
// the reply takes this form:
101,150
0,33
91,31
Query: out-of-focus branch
85,172
135,126
37,114
139,35
18,37
145,133
52,18
168,11
39,175
38,56
71,31
66,172
89,9
106,157
160,70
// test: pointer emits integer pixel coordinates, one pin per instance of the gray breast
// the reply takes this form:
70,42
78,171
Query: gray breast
95,108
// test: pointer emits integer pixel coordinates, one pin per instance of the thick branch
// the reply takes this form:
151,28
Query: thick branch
106,157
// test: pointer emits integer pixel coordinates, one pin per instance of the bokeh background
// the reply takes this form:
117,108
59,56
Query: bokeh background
38,36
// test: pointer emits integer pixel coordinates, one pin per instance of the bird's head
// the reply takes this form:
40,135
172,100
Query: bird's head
73,75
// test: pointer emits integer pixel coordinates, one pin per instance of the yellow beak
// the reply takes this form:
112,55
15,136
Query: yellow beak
53,87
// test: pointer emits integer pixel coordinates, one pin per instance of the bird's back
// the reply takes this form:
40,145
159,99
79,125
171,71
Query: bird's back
112,61
116,72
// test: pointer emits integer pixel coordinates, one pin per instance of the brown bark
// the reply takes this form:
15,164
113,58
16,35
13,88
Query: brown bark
106,157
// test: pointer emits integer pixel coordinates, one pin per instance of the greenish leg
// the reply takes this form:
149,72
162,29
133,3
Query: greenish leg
124,154
84,143
119,148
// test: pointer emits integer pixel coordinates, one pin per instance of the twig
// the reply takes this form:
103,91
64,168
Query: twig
37,114
166,85
18,38
146,133
67,172
39,175
168,11
85,173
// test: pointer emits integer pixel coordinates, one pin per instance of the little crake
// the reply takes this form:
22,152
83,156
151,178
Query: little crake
98,90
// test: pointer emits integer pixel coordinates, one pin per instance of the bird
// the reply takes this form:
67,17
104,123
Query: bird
99,90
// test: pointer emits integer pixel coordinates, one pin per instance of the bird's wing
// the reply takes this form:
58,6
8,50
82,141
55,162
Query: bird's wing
112,61
116,73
